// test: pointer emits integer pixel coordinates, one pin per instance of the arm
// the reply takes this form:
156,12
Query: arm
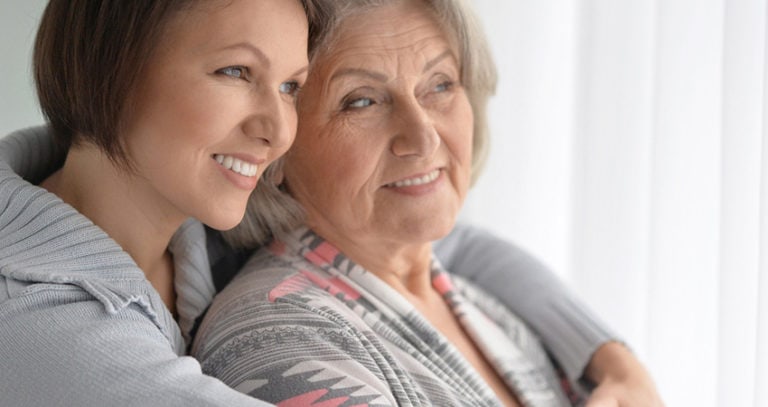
58,346
566,327
580,342
624,382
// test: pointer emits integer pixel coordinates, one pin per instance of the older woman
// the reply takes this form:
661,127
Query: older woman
351,308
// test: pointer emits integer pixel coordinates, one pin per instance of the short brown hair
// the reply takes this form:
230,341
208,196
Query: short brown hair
88,56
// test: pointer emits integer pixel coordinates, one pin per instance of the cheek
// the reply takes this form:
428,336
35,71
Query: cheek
293,126
330,175
179,122
194,107
321,148
333,158
458,125
340,167
466,129
201,115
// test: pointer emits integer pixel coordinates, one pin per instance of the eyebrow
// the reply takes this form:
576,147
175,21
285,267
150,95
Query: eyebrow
436,60
253,49
359,72
380,77
301,71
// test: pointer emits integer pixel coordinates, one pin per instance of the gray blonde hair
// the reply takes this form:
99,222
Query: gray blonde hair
272,212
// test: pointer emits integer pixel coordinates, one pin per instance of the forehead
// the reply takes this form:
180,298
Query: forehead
267,24
404,28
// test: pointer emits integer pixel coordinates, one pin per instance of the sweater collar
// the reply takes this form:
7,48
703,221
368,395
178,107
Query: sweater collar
45,240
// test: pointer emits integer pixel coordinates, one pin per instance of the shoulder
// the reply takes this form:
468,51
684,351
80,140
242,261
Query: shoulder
274,334
54,261
31,153
271,322
272,293
472,244
271,278
60,346
50,333
274,302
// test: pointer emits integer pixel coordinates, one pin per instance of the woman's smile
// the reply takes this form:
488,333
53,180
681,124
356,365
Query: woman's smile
237,165
418,185
241,170
418,180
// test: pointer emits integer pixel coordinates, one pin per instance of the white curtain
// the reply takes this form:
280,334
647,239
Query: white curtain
628,153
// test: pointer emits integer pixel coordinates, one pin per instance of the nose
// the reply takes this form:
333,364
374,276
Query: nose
272,120
415,134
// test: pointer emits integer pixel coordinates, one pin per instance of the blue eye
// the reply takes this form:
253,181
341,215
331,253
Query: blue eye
290,88
358,103
237,72
445,86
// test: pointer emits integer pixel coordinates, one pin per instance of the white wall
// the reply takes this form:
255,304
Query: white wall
18,25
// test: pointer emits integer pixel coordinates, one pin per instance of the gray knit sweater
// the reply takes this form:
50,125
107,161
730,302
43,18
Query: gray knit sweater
81,326
79,323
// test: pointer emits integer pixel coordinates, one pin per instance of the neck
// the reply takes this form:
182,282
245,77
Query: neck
405,266
125,206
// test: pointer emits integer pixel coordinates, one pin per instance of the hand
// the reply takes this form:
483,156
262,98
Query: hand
612,393
621,379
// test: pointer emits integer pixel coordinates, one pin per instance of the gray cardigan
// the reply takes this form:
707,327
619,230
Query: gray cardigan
81,326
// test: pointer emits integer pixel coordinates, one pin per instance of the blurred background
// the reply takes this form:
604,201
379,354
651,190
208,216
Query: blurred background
629,153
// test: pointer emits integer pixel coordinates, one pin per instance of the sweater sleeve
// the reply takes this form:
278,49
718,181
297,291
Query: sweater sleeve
58,346
568,329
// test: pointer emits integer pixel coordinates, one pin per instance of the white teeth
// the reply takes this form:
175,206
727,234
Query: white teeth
236,165
426,179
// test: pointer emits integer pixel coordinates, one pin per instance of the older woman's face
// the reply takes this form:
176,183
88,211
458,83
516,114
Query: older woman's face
384,145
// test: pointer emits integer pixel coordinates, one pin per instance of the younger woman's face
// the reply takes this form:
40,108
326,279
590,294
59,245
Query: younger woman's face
215,106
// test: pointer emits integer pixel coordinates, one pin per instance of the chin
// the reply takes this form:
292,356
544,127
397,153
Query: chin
223,223
428,232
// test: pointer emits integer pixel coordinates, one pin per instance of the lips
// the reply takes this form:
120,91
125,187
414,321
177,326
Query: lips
237,165
414,181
